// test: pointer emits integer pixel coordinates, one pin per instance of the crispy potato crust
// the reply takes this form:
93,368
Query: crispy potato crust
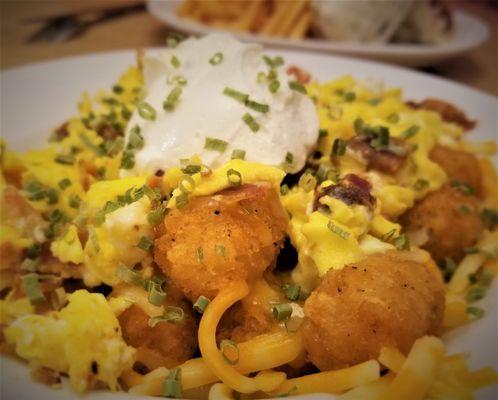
451,220
460,166
164,345
233,235
383,300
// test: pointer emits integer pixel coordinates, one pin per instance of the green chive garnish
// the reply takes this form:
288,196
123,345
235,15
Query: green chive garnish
274,86
172,100
32,289
323,133
156,293
65,159
295,85
216,59
292,291
250,122
200,304
421,184
289,158
64,183
215,144
260,107
477,312
409,132
284,189
463,187
135,138
338,230
175,62
128,160
339,147
146,111
172,385
349,96
402,242
234,177
145,243
238,154
273,62
282,312
228,346
235,94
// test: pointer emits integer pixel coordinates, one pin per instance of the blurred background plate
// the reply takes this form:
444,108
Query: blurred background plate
469,33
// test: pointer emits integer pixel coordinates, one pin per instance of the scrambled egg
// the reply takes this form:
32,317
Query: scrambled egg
83,340
347,232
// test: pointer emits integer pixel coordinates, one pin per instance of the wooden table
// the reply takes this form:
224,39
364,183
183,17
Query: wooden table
477,69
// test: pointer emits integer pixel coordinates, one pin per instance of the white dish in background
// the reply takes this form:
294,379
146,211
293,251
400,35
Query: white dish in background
38,97
470,32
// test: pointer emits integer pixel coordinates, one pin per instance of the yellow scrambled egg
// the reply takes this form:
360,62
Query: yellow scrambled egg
83,340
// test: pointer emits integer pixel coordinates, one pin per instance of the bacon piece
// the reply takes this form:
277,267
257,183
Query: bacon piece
384,160
350,190
301,75
447,111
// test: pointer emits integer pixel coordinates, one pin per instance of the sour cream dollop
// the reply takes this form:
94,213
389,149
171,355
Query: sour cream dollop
203,111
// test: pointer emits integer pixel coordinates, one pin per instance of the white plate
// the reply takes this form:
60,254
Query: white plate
470,32
36,98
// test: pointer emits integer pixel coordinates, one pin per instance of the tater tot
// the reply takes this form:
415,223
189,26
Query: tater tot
459,165
234,235
166,344
384,300
451,220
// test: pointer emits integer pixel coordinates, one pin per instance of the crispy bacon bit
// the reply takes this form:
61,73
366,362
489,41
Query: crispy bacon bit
350,190
384,160
447,111
61,132
301,75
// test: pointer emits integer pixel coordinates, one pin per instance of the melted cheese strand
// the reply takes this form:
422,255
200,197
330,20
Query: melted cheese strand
207,339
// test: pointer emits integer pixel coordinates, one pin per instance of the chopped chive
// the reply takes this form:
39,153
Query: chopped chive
464,209
339,147
238,154
156,216
191,169
234,177
172,100
402,242
421,184
98,150
476,311
216,59
128,159
215,144
471,250
129,276
393,118
322,173
349,96
273,62
34,251
31,285
145,243
250,122
174,39
146,111
274,86
182,200
172,385
260,107
292,291
175,62
475,293
375,101
201,303
135,138
323,133
228,346
156,294
448,268
282,312
463,187
343,234
284,189
386,237
295,85
409,132
172,314
186,184
52,196
64,183
74,202
65,159
118,89
235,94
307,182
289,158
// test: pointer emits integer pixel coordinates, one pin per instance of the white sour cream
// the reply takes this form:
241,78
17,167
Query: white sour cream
202,110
